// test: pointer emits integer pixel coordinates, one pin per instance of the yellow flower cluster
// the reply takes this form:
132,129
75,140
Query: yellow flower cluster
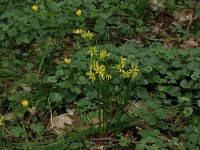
103,54
84,34
96,69
121,64
92,51
130,73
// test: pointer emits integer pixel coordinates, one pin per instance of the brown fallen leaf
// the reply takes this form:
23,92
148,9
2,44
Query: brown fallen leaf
70,112
157,5
184,18
190,43
101,147
29,114
59,123
26,87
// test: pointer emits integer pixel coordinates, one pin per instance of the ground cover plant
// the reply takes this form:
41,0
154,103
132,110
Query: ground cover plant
96,74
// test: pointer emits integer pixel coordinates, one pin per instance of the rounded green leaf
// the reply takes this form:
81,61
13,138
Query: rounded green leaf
198,103
55,97
142,92
187,111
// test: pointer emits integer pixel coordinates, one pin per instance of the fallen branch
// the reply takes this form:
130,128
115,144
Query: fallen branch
111,139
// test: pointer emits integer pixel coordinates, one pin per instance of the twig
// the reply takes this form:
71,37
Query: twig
111,139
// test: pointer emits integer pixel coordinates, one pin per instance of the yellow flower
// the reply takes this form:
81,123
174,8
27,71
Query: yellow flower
108,76
133,71
90,34
78,12
24,103
78,31
1,120
122,62
94,64
104,54
35,8
92,51
101,71
87,34
125,74
91,75
119,68
67,60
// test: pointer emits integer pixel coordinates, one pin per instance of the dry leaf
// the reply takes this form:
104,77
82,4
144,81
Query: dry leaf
101,147
59,122
28,115
183,17
157,27
70,112
8,116
26,87
156,4
190,43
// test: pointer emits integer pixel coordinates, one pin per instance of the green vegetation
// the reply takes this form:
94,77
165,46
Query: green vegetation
96,74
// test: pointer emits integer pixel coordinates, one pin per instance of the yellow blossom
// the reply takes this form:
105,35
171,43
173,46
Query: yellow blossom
104,54
92,51
24,103
1,120
78,31
108,76
100,69
91,75
119,68
133,71
94,64
35,8
87,34
78,12
122,62
67,60
125,74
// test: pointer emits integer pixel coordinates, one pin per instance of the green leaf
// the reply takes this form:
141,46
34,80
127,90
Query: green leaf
100,26
195,76
82,80
141,146
17,131
117,88
76,89
151,120
185,84
193,65
124,141
51,79
187,111
198,103
38,128
183,99
141,92
55,97
174,91
76,145
148,69
83,102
